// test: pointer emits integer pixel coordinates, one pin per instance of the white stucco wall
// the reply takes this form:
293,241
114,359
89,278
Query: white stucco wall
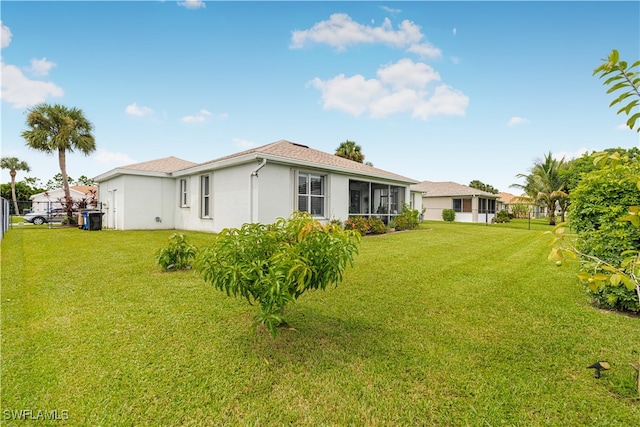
230,192
274,190
435,205
132,202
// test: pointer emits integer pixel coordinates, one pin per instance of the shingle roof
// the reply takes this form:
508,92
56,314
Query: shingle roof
84,189
166,165
301,153
449,188
507,197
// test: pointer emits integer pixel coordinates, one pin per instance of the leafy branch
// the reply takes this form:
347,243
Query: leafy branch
622,78
627,273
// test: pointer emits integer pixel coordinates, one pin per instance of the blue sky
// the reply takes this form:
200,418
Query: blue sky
439,91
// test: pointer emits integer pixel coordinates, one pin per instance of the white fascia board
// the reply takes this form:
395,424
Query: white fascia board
121,171
220,164
383,179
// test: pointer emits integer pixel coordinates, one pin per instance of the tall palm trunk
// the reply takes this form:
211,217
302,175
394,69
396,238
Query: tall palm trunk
12,173
68,202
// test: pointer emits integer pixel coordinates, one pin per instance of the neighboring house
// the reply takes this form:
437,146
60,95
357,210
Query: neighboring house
51,199
256,185
507,202
469,204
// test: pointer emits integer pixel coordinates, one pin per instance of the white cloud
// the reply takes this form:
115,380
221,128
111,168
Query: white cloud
112,158
406,73
425,50
569,156
137,110
41,67
202,116
243,144
21,92
514,121
400,87
340,31
192,4
446,101
455,31
353,95
623,126
389,10
5,35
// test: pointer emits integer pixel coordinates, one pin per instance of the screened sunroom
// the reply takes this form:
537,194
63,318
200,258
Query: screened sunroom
371,199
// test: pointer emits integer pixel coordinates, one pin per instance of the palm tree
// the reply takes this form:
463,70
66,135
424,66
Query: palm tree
545,184
14,164
350,150
58,128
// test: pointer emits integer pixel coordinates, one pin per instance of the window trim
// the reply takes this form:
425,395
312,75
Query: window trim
206,198
184,193
462,204
309,197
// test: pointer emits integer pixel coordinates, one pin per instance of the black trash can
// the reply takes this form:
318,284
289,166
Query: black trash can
95,220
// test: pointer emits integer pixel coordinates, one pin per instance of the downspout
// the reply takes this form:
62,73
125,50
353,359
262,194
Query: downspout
253,173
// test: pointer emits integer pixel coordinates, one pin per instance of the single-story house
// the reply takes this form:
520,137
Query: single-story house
469,204
256,185
508,202
83,195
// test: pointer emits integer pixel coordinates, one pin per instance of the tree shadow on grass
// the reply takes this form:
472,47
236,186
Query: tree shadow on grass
314,337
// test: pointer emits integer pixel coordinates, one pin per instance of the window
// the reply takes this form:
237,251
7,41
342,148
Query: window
205,196
311,193
183,192
462,205
486,205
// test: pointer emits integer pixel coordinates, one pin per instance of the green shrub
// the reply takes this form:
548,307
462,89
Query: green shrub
598,202
273,264
448,215
520,210
408,218
501,217
376,226
178,255
357,223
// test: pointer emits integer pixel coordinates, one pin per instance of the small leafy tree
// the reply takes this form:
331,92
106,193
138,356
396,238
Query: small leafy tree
274,264
604,213
179,255
605,269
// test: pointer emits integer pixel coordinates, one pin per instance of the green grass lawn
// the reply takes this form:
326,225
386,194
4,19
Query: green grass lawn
449,325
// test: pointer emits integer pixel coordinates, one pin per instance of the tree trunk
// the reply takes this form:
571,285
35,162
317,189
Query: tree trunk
12,173
68,202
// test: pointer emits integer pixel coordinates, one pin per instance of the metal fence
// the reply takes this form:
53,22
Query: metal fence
5,217
51,213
